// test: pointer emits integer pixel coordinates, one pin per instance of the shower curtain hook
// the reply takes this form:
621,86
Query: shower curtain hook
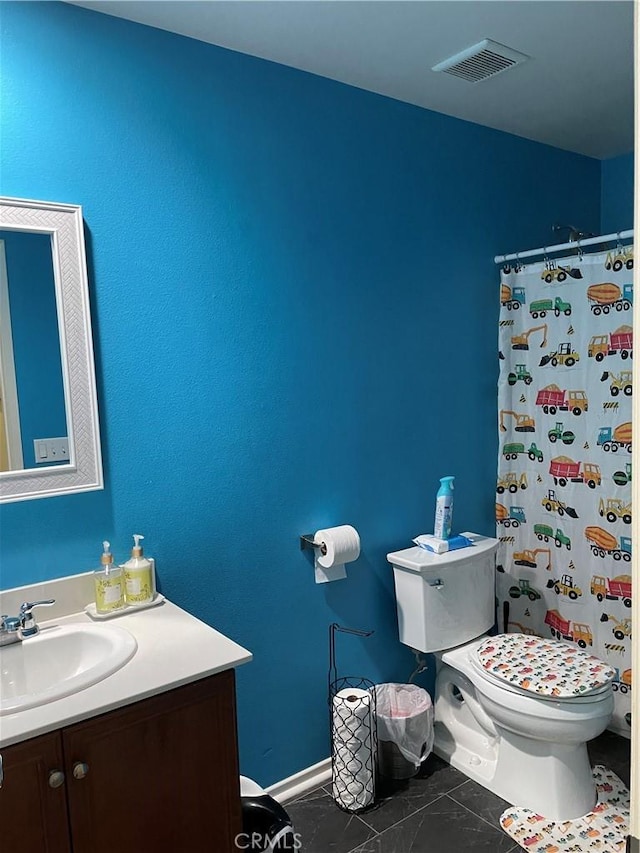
546,258
580,252
518,264
619,243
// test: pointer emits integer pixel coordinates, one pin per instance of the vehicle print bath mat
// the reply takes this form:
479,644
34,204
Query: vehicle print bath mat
604,830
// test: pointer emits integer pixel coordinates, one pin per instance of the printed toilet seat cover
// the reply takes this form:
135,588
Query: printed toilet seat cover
543,667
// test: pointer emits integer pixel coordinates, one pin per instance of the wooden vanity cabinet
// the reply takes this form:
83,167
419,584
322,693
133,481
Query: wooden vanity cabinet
33,804
159,775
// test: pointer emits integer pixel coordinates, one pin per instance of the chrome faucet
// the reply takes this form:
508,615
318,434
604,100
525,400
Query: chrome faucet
14,629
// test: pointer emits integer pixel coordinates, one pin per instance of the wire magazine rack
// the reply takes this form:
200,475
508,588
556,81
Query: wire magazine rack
354,740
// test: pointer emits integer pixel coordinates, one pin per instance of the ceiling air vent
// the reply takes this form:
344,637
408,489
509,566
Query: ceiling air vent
482,60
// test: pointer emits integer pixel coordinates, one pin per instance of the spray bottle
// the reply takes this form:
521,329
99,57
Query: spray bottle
444,509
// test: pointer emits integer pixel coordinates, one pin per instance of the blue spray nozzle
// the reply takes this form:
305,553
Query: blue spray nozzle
446,485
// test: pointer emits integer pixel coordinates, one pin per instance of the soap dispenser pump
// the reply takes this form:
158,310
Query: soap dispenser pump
139,575
108,583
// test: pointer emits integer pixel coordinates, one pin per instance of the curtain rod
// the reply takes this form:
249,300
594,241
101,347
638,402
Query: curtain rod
576,244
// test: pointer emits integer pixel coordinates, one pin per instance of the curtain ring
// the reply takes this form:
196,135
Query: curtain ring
580,252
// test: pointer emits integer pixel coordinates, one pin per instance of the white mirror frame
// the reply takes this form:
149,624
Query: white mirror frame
84,471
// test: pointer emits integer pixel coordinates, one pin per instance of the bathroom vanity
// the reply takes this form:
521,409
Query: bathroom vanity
144,760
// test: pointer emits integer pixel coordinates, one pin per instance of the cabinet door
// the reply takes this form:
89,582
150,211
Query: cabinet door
160,775
33,808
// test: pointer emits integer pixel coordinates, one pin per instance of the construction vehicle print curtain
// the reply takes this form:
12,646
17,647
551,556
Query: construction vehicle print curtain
563,503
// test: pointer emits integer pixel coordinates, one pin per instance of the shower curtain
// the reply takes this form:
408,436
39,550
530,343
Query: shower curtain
563,502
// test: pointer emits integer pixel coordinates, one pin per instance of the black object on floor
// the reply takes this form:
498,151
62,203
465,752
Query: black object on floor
265,823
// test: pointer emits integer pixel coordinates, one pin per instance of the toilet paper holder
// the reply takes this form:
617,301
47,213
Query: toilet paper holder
307,540
354,735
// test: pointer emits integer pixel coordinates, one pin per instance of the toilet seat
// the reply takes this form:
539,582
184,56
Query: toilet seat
505,687
546,669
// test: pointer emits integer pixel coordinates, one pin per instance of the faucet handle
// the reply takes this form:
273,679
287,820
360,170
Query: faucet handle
27,606
27,619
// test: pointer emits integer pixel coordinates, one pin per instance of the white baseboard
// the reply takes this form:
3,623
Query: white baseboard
298,784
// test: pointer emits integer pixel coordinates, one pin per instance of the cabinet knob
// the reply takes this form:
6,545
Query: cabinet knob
80,770
56,778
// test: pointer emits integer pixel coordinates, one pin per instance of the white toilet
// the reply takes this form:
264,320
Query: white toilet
513,712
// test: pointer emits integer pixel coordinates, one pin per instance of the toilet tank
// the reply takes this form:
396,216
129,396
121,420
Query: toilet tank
445,600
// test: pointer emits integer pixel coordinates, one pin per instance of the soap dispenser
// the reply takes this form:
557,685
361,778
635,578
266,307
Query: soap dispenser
139,577
108,583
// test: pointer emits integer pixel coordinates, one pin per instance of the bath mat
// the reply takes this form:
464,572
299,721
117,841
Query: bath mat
604,830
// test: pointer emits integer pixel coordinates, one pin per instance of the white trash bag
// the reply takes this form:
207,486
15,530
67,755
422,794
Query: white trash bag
405,717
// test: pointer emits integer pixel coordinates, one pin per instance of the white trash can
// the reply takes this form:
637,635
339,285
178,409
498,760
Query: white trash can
404,714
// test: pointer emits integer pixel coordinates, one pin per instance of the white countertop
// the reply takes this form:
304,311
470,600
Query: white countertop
174,648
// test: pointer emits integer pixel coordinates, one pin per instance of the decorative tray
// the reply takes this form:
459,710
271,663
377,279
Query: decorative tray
90,609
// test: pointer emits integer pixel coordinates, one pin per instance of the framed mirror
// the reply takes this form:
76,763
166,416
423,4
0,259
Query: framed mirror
49,431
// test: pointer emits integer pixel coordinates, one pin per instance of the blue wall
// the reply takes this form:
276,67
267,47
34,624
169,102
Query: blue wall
36,341
616,194
295,311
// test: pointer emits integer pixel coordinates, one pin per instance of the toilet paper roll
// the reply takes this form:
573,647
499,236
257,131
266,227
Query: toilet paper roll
341,545
353,758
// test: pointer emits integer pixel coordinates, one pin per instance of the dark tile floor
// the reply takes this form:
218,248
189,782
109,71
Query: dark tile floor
439,811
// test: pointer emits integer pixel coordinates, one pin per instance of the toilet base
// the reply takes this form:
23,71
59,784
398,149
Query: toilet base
556,783
553,779
477,764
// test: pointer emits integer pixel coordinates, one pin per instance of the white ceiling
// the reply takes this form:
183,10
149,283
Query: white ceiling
576,92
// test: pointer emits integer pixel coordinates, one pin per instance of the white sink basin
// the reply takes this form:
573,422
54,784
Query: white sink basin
59,661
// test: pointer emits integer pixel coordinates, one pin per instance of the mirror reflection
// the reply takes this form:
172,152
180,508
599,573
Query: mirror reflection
33,421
